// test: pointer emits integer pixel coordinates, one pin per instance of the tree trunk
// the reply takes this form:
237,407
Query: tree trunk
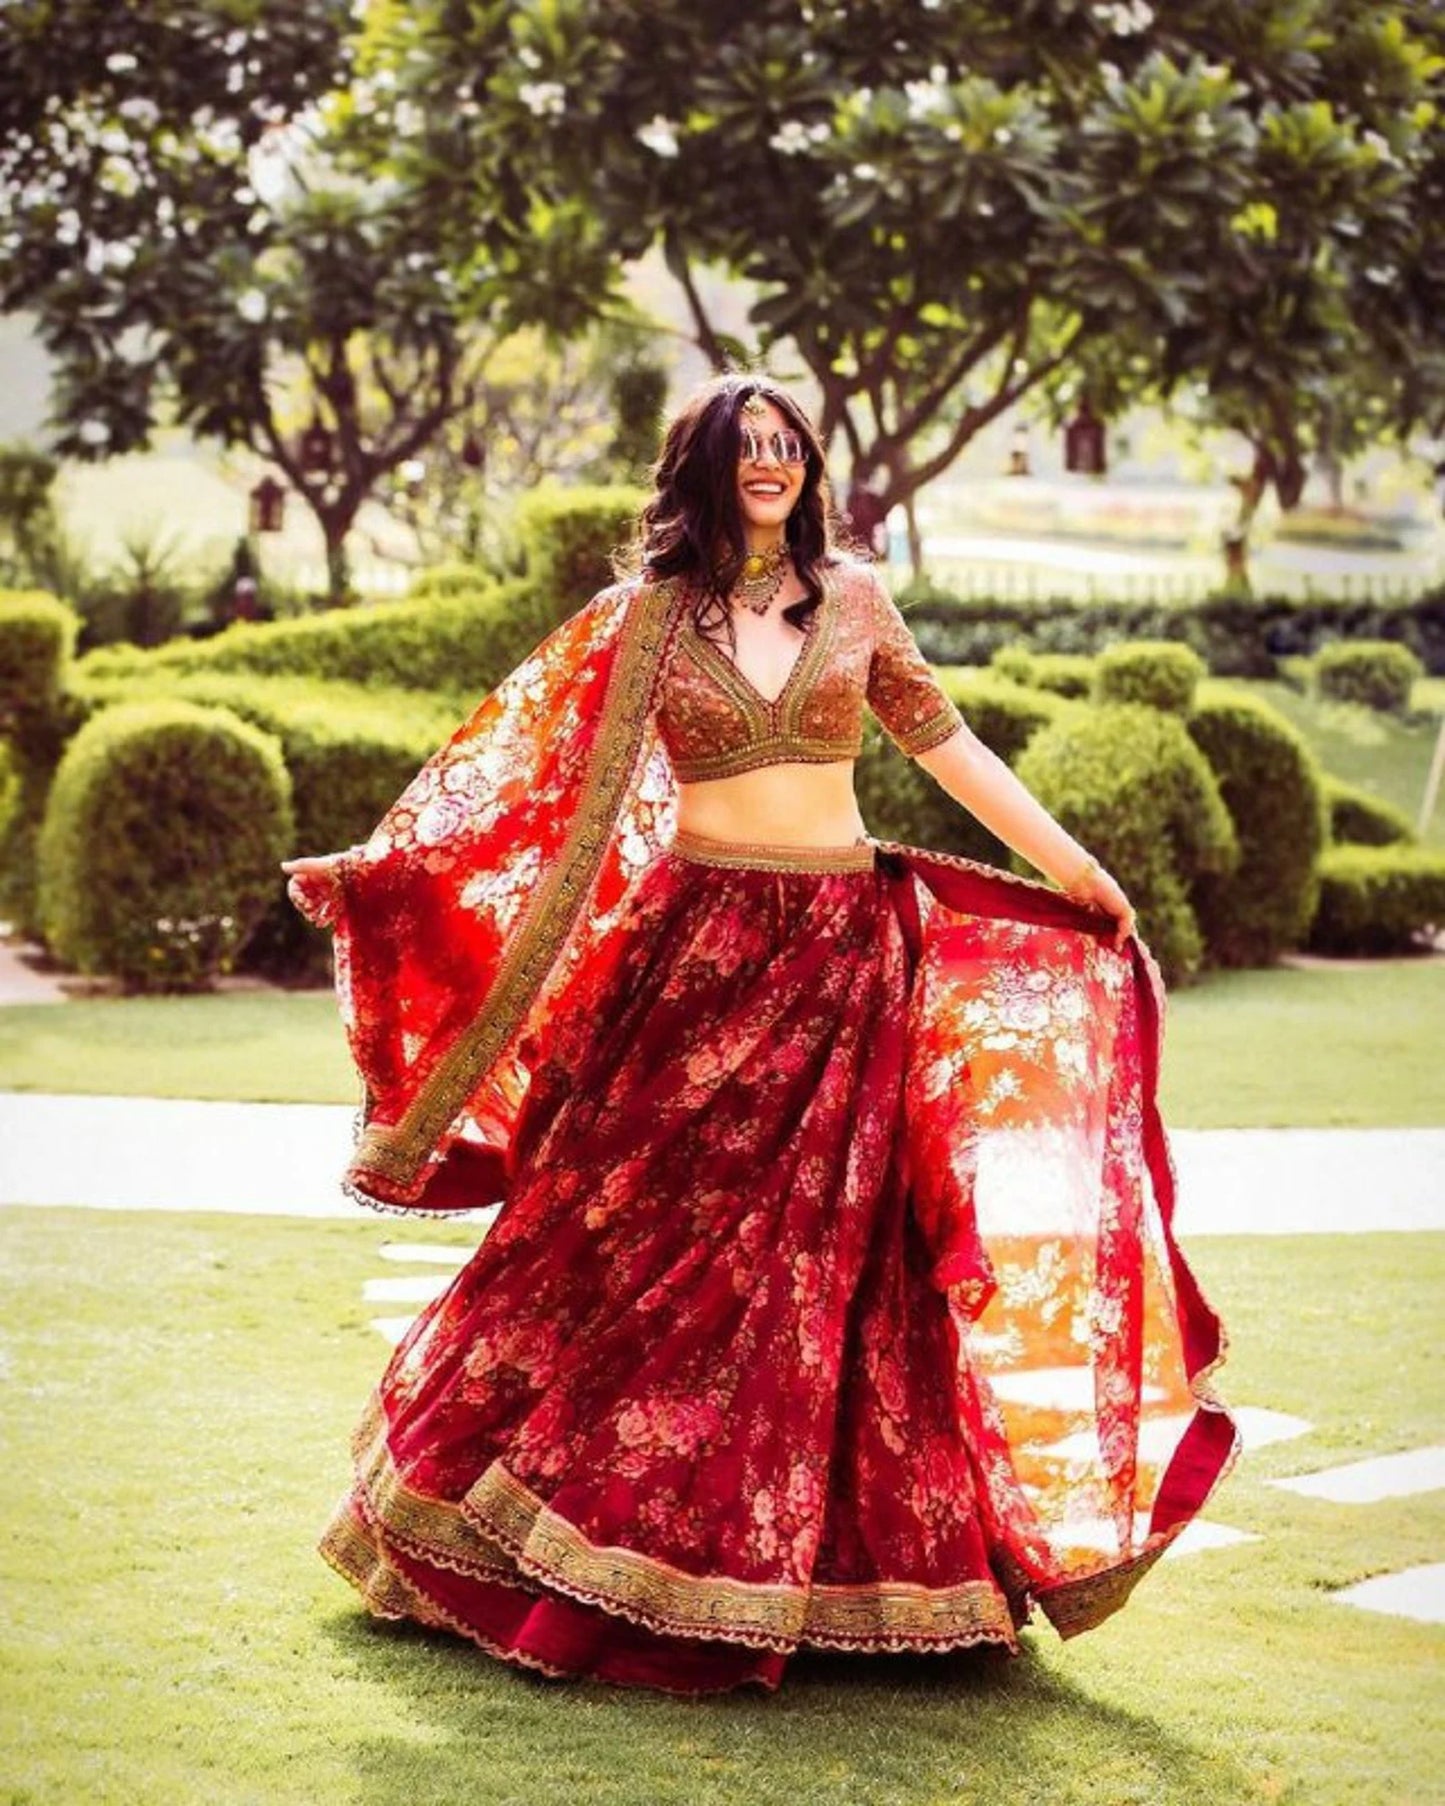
915,537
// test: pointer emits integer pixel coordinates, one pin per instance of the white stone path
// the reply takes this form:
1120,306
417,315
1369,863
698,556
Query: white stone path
129,1153
283,1159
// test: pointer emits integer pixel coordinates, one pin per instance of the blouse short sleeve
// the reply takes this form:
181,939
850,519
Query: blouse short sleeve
902,690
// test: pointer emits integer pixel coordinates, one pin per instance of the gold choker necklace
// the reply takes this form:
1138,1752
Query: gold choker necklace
761,577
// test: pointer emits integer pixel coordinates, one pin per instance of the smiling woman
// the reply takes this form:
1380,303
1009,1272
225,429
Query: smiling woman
834,1298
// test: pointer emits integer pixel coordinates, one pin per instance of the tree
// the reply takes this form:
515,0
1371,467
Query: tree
189,225
942,207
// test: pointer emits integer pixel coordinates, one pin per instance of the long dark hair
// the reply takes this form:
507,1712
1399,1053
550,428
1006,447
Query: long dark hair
692,525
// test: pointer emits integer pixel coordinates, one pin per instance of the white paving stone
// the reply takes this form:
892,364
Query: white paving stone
1194,1538
406,1288
1417,1593
425,1251
393,1328
127,1153
1367,1482
1258,1428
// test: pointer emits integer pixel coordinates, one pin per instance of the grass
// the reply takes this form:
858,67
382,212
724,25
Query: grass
179,1393
1389,758
1345,1044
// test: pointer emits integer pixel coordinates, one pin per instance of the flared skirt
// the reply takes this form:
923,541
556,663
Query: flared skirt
694,1402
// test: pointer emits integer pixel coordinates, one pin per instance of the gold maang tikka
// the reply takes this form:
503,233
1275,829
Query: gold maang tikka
761,576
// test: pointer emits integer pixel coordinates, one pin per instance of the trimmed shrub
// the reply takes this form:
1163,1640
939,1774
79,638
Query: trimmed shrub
349,751
570,536
1378,673
9,788
1236,636
1161,673
1273,790
161,839
37,639
1358,819
1068,674
900,801
468,641
1128,782
1376,900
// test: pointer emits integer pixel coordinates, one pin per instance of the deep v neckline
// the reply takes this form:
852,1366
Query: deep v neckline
729,664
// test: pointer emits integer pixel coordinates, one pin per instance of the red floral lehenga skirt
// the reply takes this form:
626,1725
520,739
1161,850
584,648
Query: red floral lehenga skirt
695,1401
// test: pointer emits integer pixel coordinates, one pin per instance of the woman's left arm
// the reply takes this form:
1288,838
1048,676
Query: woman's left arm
979,781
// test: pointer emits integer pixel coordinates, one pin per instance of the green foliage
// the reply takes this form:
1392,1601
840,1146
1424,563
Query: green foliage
37,638
1236,637
571,536
1359,819
349,751
1378,673
900,801
159,847
1272,788
1161,673
28,527
9,789
468,640
1129,783
1375,900
1062,673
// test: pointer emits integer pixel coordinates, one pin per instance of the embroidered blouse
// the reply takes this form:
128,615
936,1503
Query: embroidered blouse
857,647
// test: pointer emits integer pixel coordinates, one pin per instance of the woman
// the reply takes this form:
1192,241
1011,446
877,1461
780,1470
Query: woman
833,1300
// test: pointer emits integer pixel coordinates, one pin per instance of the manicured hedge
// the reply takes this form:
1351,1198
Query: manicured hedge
900,801
350,752
9,788
1129,783
1375,900
1062,673
570,537
1359,819
1378,673
1273,789
160,843
1235,636
467,640
37,640
1164,674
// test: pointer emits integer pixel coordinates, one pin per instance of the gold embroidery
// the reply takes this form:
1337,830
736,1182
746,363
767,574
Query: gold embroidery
771,857
399,1151
715,723
500,1530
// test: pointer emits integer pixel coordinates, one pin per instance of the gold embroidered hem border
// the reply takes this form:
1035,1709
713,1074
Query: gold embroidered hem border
502,1531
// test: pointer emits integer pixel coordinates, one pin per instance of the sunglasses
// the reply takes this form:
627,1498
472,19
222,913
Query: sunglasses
786,447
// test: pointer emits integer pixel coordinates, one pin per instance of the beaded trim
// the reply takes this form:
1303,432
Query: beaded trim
763,856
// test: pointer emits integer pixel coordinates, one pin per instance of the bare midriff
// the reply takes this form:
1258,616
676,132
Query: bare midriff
789,804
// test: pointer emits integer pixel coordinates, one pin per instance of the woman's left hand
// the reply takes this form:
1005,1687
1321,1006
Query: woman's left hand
1100,890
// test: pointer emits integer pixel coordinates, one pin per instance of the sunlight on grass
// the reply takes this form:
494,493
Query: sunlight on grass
179,1395
1342,1044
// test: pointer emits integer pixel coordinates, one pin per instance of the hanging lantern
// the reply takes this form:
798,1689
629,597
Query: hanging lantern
1084,448
474,453
268,506
314,450
1018,458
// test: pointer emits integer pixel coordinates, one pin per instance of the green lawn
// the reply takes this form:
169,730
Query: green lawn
179,1395
1389,758
1349,1043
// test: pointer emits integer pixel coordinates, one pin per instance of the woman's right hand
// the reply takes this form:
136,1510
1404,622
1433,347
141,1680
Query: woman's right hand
313,883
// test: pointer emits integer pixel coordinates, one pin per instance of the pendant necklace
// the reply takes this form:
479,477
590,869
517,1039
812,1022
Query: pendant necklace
761,577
